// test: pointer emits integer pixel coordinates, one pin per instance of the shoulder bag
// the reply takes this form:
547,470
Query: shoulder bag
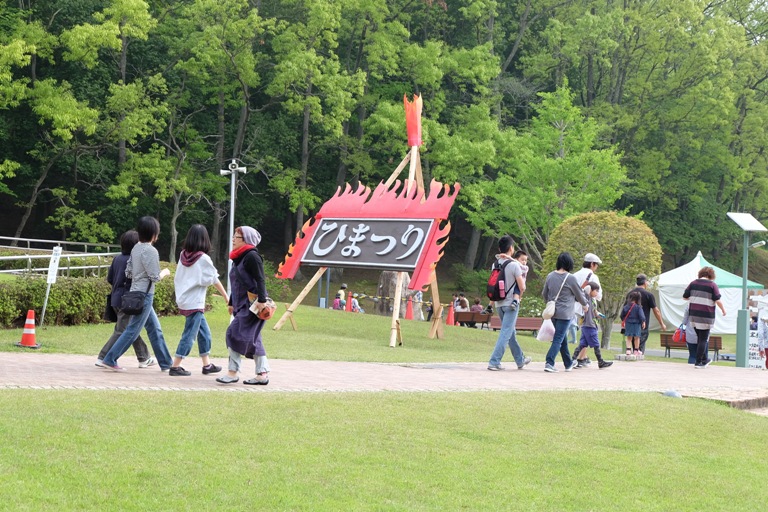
133,302
549,309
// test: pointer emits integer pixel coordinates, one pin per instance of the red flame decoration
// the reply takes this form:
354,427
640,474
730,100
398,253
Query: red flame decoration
413,119
393,203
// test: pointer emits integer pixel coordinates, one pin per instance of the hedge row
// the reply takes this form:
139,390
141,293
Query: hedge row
72,300
81,300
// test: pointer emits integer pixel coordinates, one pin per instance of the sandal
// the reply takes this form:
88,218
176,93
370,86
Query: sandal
259,380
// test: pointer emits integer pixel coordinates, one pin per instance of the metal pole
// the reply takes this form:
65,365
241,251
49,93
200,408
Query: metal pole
232,196
742,319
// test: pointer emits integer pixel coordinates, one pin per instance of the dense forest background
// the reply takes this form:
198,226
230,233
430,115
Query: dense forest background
542,109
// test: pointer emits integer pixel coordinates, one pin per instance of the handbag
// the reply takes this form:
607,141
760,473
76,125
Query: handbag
133,302
549,309
109,312
266,312
679,335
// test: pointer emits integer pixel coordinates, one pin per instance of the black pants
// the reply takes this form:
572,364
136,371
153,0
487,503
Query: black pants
702,337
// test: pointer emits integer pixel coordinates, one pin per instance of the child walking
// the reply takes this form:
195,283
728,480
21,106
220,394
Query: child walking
633,320
589,336
194,275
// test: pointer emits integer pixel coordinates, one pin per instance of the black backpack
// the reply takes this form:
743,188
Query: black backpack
493,290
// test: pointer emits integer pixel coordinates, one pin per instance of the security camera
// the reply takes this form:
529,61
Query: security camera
232,166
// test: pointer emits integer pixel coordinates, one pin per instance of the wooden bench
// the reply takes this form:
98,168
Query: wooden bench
469,316
524,323
715,344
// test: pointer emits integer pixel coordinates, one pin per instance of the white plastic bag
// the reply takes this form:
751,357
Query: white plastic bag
547,331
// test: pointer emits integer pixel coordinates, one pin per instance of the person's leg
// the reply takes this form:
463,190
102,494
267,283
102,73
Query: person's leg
702,337
566,355
120,325
636,343
131,332
561,327
507,325
191,329
514,346
156,338
629,345
141,349
691,353
233,369
644,333
204,341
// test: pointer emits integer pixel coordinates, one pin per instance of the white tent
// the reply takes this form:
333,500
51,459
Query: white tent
671,285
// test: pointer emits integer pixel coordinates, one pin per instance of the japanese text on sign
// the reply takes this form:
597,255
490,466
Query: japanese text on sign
368,243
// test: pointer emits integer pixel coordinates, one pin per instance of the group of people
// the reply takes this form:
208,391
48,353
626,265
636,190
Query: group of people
137,268
577,294
340,301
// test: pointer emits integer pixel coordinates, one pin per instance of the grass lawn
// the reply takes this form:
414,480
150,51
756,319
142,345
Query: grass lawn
542,451
116,450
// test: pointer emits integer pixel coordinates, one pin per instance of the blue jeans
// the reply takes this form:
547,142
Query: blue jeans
507,336
573,329
559,343
195,326
148,320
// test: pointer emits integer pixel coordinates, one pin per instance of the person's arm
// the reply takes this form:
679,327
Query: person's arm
254,265
657,314
573,284
150,259
222,290
719,304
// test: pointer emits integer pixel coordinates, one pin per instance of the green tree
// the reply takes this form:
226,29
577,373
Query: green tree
627,247
556,169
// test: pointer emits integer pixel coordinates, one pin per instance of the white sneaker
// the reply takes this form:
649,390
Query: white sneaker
100,363
149,362
549,368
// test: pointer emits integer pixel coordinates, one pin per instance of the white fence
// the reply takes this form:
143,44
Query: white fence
37,263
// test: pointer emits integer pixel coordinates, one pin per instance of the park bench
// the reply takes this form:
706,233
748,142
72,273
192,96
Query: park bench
524,323
715,344
468,316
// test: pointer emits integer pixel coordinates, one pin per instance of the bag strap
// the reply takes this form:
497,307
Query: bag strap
502,271
561,286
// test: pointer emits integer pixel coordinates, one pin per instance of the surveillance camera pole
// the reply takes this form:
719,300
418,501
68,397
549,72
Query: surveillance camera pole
232,170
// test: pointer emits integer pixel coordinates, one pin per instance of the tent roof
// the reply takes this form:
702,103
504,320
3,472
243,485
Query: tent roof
688,272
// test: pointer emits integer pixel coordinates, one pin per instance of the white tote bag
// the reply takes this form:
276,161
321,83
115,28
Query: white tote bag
549,309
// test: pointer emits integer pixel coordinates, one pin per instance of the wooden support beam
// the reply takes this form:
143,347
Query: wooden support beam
295,304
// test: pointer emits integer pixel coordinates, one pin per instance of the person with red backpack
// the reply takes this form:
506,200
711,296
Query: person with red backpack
507,277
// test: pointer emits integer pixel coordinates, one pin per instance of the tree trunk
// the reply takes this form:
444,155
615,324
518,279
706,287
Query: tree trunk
488,245
471,254
33,199
121,149
304,156
174,232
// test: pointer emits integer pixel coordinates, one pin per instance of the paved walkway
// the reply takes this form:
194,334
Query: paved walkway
740,387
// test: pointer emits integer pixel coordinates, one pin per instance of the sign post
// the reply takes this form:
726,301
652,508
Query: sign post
53,270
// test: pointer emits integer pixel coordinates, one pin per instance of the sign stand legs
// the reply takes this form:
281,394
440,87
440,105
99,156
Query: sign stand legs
295,304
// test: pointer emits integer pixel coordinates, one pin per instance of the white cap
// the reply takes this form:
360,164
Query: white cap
592,258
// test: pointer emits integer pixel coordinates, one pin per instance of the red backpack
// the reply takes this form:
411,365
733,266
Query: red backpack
494,290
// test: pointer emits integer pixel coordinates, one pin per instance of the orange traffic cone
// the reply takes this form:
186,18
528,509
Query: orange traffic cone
28,337
449,319
348,306
409,309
